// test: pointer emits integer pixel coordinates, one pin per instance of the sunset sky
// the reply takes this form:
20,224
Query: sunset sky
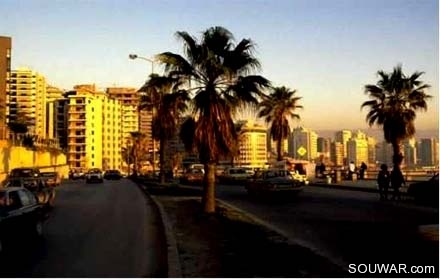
327,50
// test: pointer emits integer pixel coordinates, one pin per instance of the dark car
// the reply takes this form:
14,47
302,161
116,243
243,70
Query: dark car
51,179
425,192
94,175
20,215
273,182
112,175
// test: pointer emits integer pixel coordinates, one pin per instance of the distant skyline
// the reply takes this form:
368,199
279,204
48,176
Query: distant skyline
326,50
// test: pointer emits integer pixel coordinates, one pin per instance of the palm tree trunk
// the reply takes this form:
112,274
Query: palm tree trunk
162,144
397,154
279,152
208,198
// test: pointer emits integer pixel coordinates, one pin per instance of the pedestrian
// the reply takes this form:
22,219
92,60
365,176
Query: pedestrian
362,170
351,170
383,181
397,181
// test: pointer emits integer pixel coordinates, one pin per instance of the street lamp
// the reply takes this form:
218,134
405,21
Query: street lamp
135,56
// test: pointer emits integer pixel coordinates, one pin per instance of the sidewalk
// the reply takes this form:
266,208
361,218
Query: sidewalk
367,185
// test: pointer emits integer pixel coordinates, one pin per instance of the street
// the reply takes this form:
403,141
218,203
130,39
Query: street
346,226
96,230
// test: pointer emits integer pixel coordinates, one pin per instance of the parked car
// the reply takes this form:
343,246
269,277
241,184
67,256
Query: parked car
51,179
94,175
75,174
273,181
425,192
192,176
234,175
20,215
112,175
31,179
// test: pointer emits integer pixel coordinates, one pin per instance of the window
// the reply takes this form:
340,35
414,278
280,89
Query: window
24,198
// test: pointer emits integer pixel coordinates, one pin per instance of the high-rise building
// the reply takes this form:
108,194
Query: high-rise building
372,150
337,153
252,145
27,100
145,127
272,146
323,149
428,152
61,121
94,129
303,144
129,98
52,95
409,153
357,148
343,137
5,75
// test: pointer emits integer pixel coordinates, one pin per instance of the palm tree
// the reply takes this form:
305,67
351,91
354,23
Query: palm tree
277,109
163,93
137,149
218,72
394,101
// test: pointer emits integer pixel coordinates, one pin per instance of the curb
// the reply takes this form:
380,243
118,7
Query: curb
331,258
174,269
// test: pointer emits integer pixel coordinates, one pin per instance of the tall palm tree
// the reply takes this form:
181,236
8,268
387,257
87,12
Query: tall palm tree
395,98
219,78
137,149
163,93
277,109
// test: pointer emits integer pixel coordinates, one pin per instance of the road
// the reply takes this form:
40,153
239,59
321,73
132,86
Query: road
96,230
345,226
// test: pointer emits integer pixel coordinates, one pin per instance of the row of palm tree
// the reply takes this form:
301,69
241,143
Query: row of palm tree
216,78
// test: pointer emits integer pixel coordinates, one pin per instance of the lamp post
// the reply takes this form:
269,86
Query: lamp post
135,56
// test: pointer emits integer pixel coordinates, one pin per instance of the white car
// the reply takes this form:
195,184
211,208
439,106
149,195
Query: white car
94,175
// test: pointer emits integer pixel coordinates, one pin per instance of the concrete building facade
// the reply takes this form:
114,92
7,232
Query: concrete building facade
5,76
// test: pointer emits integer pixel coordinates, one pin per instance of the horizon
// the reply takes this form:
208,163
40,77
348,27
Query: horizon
326,50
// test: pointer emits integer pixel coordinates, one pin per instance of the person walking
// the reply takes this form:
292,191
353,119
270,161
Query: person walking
383,181
397,181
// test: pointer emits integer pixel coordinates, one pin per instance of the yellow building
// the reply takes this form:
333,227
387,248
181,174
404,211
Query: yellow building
343,137
303,144
129,98
52,95
252,145
357,148
94,129
27,100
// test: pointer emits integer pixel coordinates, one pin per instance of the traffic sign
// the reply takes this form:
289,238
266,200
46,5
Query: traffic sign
301,151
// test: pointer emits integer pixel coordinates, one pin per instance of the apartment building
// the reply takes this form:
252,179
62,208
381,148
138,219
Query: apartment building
5,75
409,153
61,121
27,100
94,130
337,153
129,98
52,95
252,145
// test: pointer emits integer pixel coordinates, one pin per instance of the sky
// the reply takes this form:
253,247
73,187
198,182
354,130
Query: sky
326,50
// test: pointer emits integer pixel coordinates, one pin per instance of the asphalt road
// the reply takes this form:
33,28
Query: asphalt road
349,227
96,230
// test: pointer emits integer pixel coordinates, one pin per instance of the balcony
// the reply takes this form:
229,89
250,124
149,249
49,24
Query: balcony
77,119
77,135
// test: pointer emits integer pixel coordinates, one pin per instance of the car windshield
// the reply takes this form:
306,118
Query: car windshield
22,173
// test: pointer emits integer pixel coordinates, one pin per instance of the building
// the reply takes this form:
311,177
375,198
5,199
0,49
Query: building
27,100
372,151
61,121
323,149
428,152
384,153
52,95
129,98
357,148
343,137
5,75
337,153
409,153
303,144
252,145
94,133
